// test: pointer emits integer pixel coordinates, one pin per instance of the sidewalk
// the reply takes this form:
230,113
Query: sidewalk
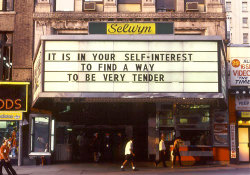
114,168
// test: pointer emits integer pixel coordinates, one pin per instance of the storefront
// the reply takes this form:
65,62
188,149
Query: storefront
13,105
140,86
239,102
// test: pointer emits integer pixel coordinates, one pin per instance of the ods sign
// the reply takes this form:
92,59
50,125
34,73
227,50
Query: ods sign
13,96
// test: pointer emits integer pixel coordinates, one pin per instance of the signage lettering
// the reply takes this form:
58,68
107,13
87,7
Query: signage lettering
233,141
139,67
240,71
9,104
245,114
242,103
130,28
13,97
11,115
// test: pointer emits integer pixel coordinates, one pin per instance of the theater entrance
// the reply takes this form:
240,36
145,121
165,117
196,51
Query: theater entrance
98,132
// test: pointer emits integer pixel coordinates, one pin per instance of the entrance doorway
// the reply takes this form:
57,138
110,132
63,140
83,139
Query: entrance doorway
244,144
81,122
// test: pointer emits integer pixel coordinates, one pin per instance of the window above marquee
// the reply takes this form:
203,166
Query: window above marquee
65,5
6,5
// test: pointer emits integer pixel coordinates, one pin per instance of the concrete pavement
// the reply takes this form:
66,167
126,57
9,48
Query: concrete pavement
143,168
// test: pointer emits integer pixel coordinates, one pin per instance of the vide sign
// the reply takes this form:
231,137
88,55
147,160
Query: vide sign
240,71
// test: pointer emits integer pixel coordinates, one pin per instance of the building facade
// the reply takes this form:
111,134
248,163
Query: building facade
237,21
238,101
237,55
86,83
16,38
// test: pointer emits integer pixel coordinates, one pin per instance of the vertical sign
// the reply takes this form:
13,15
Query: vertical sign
233,141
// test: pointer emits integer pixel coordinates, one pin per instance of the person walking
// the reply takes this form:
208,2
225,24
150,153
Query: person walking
107,148
5,161
162,153
95,145
129,155
176,151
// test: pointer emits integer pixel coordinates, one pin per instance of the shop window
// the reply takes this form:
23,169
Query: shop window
244,6
193,116
165,5
129,5
166,119
6,5
245,38
228,6
9,130
65,5
193,124
5,56
40,128
194,5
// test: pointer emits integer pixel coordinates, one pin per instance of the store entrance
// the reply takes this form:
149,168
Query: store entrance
244,145
98,132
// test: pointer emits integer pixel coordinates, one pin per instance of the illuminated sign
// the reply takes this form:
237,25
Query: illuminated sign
11,115
245,114
242,103
131,28
131,66
14,96
240,71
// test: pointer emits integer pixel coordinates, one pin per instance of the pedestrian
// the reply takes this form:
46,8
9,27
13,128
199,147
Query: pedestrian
95,145
129,155
107,148
118,147
80,141
5,161
162,152
176,151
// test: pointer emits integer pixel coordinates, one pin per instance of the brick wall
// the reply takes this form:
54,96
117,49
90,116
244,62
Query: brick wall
23,40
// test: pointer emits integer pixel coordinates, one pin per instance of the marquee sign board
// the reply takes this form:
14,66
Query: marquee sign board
131,66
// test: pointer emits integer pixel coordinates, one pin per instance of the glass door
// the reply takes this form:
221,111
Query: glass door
244,144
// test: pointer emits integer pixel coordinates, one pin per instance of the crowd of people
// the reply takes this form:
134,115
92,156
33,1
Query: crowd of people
97,147
110,147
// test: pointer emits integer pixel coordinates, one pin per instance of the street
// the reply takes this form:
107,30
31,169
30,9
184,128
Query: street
107,169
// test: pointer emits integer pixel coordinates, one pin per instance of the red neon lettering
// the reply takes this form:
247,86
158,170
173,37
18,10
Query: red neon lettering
1,107
9,101
18,103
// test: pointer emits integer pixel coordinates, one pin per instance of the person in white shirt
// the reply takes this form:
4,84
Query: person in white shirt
162,153
129,155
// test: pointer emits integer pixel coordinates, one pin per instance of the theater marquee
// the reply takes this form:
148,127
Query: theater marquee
131,66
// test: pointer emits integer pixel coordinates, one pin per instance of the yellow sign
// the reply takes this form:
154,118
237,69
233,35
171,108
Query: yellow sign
130,28
245,114
11,115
